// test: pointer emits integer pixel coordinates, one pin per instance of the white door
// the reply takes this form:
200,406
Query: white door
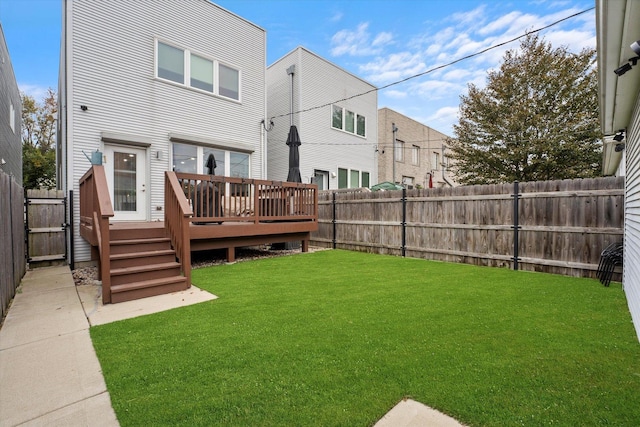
126,168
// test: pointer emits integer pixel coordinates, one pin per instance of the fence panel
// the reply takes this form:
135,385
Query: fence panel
12,254
562,226
46,232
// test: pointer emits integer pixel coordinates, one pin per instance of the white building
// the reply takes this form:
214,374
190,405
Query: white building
337,125
156,86
619,87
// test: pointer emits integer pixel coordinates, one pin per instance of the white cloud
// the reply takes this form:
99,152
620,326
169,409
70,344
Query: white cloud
358,42
36,92
393,67
336,17
474,17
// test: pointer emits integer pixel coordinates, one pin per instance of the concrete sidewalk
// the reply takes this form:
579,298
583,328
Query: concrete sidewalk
49,371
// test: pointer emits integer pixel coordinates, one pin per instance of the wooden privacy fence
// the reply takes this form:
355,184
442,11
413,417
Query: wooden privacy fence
552,226
12,259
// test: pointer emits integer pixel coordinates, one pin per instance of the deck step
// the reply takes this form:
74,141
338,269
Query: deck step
132,259
140,245
143,272
147,288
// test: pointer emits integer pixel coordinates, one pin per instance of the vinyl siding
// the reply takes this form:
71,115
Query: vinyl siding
10,139
631,274
111,68
319,82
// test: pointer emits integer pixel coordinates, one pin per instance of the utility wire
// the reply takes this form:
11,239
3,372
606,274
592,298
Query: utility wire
431,70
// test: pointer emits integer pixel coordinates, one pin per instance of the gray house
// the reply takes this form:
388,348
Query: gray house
10,116
157,86
619,86
339,131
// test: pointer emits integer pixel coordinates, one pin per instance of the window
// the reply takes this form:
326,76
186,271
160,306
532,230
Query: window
361,126
219,156
201,73
415,155
187,68
348,121
399,150
355,179
229,82
170,63
336,118
185,158
436,161
193,159
365,179
12,118
343,178
239,164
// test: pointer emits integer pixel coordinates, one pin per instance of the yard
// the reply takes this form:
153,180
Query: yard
337,338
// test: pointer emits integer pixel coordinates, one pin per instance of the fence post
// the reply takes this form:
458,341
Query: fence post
68,239
334,219
404,221
516,225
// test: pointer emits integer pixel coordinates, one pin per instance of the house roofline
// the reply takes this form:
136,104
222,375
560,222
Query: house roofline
323,59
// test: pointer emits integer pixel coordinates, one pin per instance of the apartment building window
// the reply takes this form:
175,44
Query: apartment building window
399,150
355,179
348,121
436,161
365,179
206,74
343,178
415,155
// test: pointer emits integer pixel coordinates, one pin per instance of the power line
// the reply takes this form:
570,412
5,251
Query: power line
439,67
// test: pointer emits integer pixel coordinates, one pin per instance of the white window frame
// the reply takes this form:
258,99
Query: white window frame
187,71
436,161
12,117
356,116
415,155
399,151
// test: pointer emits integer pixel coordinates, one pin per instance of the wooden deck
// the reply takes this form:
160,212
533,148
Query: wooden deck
202,212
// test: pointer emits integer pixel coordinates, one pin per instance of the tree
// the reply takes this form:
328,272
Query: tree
38,141
536,120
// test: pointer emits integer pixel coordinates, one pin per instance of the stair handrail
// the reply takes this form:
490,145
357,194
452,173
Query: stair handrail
177,217
95,211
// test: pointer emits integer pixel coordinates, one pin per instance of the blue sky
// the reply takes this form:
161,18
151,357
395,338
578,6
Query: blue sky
380,41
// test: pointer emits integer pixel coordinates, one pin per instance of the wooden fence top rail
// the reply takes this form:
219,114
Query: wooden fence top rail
482,197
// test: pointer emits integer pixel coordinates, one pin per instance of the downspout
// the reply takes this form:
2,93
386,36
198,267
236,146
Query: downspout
444,178
291,71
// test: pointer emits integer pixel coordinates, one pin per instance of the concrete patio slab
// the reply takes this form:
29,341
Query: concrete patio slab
409,413
47,278
99,314
44,376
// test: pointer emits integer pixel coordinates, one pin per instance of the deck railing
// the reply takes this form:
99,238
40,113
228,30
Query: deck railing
177,216
95,211
224,199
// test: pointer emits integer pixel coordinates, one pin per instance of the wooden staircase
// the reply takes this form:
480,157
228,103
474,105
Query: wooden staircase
142,262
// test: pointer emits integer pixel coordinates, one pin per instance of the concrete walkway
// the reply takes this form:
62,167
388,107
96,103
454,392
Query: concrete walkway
49,371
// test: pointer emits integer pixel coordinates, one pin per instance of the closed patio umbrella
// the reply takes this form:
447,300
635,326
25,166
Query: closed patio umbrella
211,164
293,141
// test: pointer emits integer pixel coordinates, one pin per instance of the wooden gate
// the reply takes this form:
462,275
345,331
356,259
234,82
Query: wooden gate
46,228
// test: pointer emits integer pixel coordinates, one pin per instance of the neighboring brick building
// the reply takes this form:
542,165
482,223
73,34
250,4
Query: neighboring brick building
421,154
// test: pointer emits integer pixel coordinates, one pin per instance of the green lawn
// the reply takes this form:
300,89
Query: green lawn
337,338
